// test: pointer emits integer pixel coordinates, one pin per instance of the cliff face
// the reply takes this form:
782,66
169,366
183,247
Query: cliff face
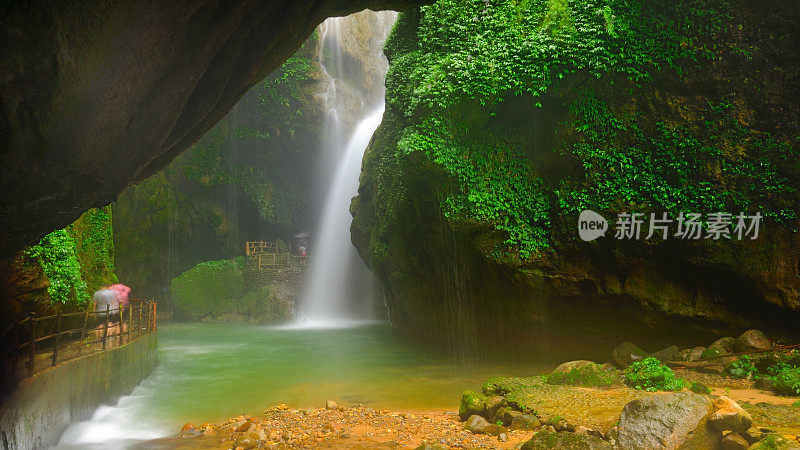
97,96
504,121
248,178
256,174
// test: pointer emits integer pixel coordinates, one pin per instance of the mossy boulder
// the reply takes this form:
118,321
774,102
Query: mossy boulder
204,288
752,340
775,441
721,347
581,373
666,354
472,403
548,440
626,354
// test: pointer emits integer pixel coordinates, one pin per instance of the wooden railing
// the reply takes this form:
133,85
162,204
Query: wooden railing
256,247
119,325
267,255
273,260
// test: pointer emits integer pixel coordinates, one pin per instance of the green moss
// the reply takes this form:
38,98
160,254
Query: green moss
504,385
94,247
713,352
590,375
199,290
471,403
549,440
773,441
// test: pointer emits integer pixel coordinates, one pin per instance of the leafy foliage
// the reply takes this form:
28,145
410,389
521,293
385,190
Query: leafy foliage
456,66
650,375
94,247
742,368
699,388
787,381
56,254
78,259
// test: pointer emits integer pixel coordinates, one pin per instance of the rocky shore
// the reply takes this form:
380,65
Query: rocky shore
631,402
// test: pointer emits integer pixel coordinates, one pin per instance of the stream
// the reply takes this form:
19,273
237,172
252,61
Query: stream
208,372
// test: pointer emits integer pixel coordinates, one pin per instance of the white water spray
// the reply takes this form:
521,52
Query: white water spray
333,296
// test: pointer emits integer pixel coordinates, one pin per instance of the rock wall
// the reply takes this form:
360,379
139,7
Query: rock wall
230,291
490,148
41,407
60,272
99,96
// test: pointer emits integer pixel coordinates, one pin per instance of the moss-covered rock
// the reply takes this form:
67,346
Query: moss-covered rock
581,373
543,440
775,441
227,291
472,404
198,291
721,347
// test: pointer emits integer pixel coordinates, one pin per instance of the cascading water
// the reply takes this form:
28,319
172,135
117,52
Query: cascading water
336,291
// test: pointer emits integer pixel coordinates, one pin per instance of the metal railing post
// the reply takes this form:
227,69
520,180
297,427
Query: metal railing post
58,338
83,331
105,326
32,346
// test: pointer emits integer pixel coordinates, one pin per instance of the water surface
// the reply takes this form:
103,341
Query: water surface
208,372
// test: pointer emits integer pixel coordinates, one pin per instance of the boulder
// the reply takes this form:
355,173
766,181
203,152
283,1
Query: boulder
752,340
675,420
569,441
732,441
696,354
472,403
666,354
580,429
428,446
572,365
478,425
626,354
728,415
330,404
525,422
492,406
581,373
721,347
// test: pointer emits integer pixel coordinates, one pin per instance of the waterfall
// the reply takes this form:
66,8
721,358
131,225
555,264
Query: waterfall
337,285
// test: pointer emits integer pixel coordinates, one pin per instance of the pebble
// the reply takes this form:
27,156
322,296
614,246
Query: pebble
348,427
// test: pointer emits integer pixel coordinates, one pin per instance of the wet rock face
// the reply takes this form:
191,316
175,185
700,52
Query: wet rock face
98,97
666,421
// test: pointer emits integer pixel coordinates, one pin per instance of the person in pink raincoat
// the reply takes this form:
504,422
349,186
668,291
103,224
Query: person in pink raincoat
121,291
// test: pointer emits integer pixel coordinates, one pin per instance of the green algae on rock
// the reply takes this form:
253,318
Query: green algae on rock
581,373
543,440
225,291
